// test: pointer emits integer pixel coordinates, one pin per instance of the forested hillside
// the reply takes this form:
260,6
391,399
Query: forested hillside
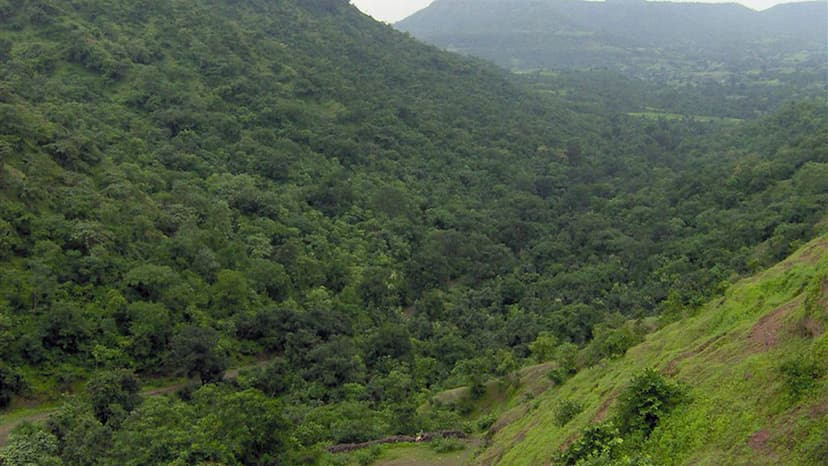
191,185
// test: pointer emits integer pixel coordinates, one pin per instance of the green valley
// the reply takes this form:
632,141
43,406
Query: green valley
384,239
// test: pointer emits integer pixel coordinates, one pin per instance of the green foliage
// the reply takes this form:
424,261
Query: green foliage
566,410
597,444
543,348
29,445
611,342
739,395
801,373
113,394
645,401
81,436
10,384
485,422
164,431
640,407
195,352
558,375
389,219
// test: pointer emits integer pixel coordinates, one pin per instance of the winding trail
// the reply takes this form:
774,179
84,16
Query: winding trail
43,412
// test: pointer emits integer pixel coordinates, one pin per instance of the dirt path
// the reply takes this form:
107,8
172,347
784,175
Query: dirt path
38,416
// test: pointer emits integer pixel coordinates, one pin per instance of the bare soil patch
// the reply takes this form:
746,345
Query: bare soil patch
815,252
759,441
604,409
569,441
819,410
812,327
766,333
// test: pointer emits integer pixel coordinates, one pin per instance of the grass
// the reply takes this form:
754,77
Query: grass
417,455
408,454
729,356
500,398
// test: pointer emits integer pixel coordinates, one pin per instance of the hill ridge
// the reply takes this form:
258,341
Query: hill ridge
581,34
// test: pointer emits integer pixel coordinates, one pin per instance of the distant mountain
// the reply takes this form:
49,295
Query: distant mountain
530,34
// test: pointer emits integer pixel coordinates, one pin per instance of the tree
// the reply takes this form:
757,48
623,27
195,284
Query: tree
543,348
149,328
195,351
82,438
113,393
647,399
10,384
30,445
230,294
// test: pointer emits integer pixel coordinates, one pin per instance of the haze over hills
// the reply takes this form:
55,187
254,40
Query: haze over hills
355,221
531,34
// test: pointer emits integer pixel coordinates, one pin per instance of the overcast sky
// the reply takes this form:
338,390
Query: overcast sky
392,11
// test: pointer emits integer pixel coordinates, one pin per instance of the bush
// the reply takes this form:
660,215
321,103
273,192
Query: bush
485,422
647,399
597,443
800,375
30,444
566,410
558,375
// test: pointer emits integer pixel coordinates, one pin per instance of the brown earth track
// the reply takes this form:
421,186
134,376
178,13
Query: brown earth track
766,333
604,409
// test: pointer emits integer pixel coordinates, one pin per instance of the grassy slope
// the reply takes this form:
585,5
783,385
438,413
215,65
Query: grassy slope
729,355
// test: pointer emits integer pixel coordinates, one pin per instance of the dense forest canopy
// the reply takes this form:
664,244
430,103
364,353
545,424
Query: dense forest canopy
189,185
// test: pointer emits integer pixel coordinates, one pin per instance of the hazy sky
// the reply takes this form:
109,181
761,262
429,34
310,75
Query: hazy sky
394,10
390,11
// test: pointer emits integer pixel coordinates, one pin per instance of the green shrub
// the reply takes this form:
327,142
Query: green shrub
566,410
647,399
597,445
558,375
800,375
485,422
